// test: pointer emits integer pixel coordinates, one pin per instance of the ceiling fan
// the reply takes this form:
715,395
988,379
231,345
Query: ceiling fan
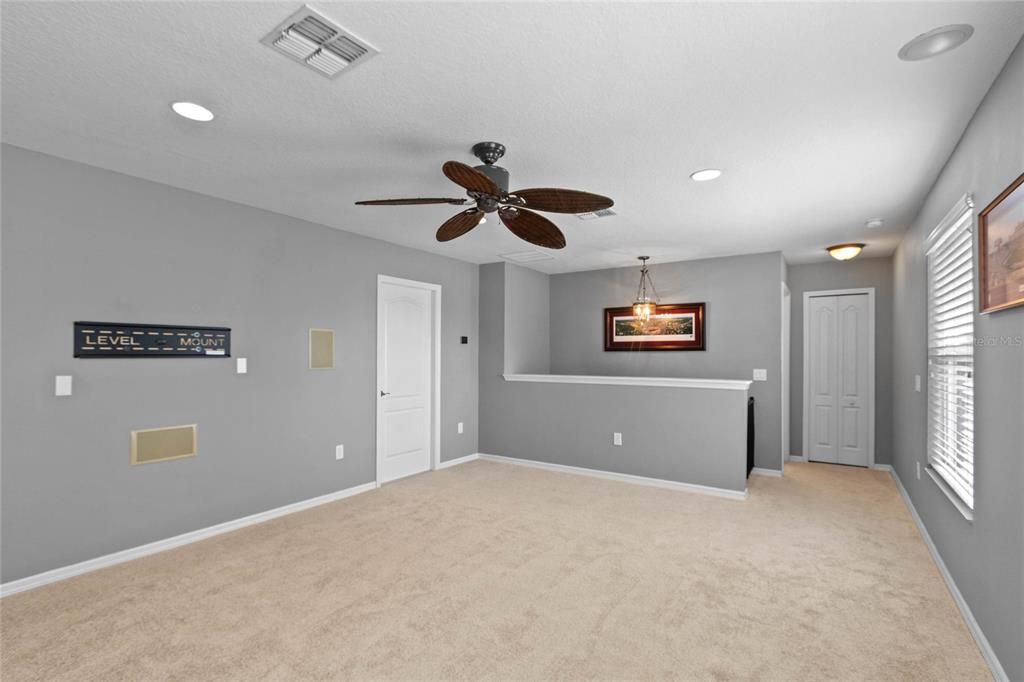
487,187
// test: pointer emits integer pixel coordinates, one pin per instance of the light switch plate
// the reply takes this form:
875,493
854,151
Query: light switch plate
460,428
760,375
339,452
63,385
616,438
241,365
919,470
917,383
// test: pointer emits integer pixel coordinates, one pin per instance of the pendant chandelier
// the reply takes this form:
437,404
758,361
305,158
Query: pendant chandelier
645,303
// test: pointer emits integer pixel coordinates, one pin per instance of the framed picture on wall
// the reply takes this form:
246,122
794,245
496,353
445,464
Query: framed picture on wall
674,326
1001,249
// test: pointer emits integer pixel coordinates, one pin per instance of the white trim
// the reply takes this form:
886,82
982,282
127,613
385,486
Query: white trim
65,572
882,467
995,667
808,295
784,386
435,377
457,461
797,458
662,382
948,491
761,471
624,478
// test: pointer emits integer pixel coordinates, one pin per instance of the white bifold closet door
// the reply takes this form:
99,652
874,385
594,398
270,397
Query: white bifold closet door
838,379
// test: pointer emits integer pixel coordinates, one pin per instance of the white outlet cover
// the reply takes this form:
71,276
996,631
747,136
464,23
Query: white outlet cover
241,365
616,438
760,375
919,471
63,385
339,452
460,428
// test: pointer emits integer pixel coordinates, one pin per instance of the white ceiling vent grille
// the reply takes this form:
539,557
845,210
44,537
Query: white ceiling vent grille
594,215
526,256
310,38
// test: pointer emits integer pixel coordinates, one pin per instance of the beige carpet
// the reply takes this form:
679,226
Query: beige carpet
493,571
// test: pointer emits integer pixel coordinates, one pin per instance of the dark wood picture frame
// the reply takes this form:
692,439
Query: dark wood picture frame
1000,272
613,343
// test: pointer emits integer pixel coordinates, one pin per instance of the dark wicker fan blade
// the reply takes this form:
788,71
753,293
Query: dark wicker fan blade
532,227
469,177
563,200
410,202
459,224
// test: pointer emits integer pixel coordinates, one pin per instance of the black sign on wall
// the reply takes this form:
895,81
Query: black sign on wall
120,340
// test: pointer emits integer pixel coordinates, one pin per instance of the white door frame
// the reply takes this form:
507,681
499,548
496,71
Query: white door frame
808,295
786,318
435,368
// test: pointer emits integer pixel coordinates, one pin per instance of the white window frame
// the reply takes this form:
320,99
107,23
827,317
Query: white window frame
949,258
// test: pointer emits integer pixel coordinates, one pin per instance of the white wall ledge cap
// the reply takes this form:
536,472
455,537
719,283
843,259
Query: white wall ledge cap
662,382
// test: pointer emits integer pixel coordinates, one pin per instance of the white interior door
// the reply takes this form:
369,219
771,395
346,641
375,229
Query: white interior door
404,380
838,379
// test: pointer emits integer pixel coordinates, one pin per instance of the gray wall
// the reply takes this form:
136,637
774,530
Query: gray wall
857,273
686,435
527,318
986,557
743,329
80,243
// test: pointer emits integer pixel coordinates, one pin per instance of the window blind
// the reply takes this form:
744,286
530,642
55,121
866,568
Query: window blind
950,264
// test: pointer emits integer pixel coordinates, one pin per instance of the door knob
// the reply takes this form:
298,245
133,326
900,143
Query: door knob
384,393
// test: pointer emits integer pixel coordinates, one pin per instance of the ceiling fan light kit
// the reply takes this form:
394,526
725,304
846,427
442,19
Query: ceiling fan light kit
487,188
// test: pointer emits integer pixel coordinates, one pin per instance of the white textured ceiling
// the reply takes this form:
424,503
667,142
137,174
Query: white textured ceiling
816,123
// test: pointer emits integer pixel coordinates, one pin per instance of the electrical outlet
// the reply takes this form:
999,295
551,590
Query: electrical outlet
241,365
760,375
616,438
339,452
917,386
460,428
919,471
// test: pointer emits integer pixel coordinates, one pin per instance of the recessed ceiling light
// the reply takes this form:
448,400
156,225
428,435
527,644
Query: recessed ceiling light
844,251
874,223
935,42
705,174
192,111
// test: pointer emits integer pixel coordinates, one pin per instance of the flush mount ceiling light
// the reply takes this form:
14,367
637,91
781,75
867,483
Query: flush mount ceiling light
844,251
192,111
705,174
874,223
644,304
935,42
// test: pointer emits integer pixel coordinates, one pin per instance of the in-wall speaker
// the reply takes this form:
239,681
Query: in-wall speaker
321,349
165,443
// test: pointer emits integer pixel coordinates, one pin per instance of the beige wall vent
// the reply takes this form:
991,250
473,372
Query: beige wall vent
165,443
321,349
310,38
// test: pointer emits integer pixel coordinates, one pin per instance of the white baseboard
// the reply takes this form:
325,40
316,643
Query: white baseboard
796,458
57,574
882,467
987,653
458,460
625,478
765,472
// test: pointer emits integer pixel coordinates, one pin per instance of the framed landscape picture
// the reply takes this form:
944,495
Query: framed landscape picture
674,326
1001,249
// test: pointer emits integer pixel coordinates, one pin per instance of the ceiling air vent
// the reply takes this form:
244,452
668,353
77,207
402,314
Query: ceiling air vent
310,38
526,256
594,215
